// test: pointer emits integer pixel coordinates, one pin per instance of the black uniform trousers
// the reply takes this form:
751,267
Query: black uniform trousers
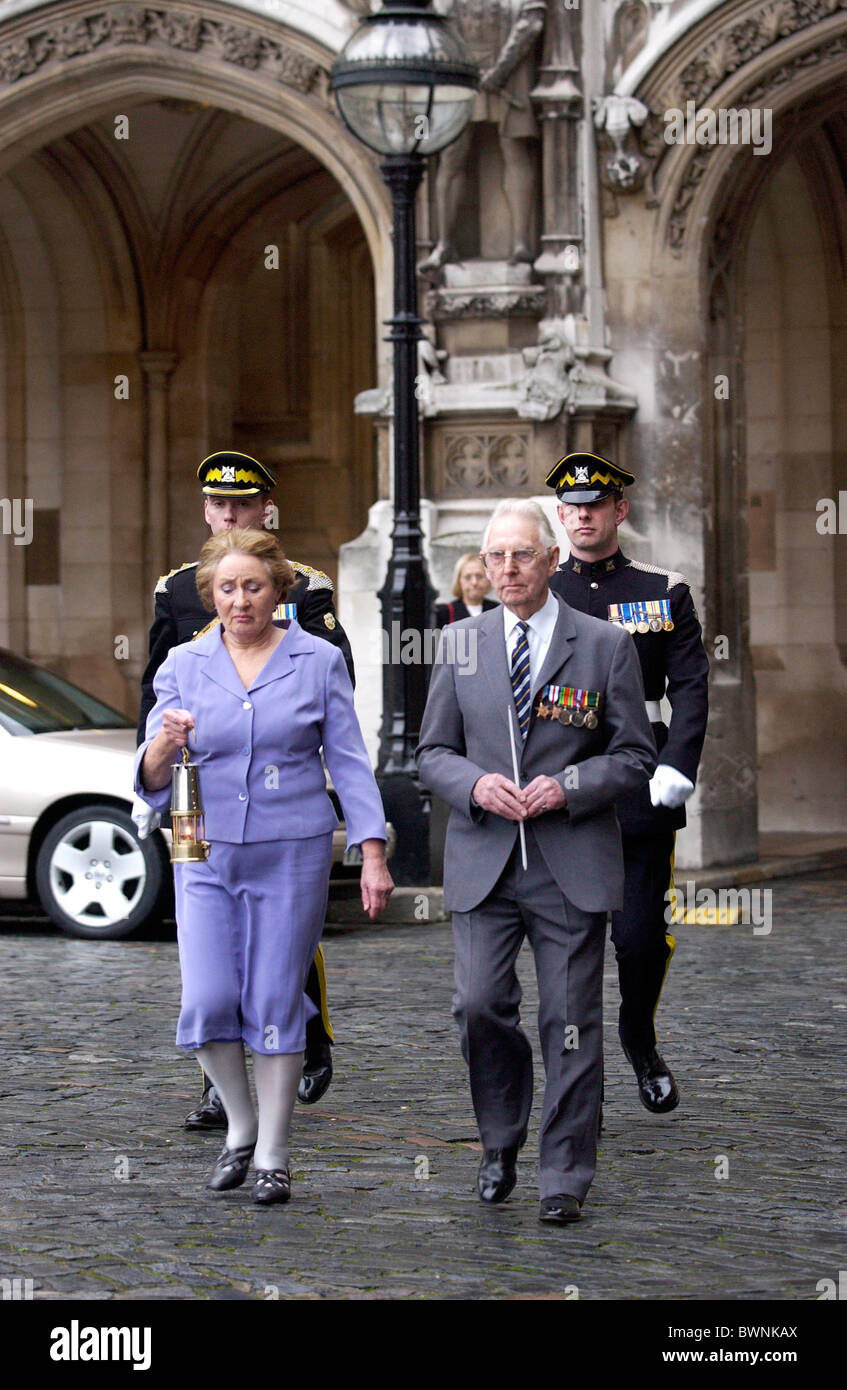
642,941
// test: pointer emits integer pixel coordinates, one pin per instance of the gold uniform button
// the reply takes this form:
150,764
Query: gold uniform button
594,584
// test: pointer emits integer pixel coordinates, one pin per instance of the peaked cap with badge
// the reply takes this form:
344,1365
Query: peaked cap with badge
580,478
227,472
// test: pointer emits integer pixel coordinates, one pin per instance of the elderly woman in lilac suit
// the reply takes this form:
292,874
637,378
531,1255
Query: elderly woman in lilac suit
258,701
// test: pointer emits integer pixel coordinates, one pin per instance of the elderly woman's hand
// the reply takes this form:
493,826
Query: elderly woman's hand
156,763
177,725
377,883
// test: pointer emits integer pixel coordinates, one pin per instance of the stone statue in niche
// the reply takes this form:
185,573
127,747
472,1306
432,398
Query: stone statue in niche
630,31
502,38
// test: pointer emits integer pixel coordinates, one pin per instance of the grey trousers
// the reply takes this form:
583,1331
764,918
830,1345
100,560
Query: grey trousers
568,946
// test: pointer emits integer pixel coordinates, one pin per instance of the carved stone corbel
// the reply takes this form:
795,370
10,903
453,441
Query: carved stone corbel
617,119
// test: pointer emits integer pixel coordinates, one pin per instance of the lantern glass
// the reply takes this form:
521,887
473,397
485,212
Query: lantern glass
189,836
405,85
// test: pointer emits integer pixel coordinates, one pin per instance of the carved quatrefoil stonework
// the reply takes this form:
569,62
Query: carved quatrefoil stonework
471,464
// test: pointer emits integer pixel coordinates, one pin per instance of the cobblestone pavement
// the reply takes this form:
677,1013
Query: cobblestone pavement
103,1191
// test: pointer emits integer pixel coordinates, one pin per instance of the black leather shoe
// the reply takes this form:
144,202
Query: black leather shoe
559,1210
272,1185
497,1174
317,1074
231,1168
209,1114
656,1085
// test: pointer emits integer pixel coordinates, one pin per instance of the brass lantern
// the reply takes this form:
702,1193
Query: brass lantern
188,845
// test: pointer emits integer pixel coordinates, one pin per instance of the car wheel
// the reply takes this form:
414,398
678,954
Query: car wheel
95,878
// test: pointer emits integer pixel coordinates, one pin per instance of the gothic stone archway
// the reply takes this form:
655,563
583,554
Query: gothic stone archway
85,287
675,258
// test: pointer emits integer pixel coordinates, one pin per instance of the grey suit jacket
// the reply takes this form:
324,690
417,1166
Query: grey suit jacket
465,734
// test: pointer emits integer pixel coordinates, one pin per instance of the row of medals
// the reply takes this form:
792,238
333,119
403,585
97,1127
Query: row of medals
578,717
649,625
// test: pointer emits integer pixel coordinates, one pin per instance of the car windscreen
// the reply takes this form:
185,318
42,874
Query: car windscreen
34,701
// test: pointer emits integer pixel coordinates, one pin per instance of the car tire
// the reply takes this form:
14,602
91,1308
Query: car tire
95,878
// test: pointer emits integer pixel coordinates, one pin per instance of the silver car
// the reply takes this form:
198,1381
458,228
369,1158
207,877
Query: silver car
65,798
66,835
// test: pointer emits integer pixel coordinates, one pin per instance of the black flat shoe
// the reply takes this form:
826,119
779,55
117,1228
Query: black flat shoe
317,1074
272,1185
497,1174
231,1168
560,1210
656,1085
209,1114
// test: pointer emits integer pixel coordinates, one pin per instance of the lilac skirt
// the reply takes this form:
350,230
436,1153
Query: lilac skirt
248,924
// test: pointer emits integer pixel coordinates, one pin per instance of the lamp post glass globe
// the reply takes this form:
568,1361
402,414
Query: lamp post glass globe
403,81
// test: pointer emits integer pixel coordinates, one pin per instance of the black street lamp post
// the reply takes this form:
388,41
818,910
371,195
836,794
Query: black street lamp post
404,86
407,596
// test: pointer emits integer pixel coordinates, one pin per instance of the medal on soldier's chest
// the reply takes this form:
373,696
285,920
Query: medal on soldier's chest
646,615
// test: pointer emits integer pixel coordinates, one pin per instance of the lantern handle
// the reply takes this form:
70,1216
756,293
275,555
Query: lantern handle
186,758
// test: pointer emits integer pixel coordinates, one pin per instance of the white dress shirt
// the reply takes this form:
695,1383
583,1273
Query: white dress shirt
539,632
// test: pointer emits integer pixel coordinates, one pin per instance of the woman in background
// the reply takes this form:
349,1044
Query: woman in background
470,585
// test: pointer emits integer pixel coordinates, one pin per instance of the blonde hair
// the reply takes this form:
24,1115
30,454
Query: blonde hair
240,541
456,590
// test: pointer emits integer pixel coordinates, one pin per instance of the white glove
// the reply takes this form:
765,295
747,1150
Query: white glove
668,787
144,817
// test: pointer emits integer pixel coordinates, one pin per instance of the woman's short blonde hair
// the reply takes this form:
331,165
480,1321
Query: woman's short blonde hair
456,590
240,541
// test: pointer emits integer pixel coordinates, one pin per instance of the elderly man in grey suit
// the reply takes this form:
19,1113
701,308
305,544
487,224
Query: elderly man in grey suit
536,855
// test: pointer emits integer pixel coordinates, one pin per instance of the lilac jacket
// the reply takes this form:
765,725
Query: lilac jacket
258,751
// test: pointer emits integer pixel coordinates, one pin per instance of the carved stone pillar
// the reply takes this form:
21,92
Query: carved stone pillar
572,338
559,104
728,774
156,367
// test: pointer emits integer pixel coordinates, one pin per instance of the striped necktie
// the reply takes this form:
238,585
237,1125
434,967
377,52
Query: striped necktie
520,678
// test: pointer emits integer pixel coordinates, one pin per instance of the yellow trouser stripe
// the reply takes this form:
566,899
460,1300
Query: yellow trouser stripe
320,966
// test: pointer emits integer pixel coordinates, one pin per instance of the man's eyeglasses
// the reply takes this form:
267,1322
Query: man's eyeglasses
496,559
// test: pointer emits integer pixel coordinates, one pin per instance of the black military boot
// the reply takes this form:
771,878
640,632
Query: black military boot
656,1086
317,1071
641,979
317,1058
210,1113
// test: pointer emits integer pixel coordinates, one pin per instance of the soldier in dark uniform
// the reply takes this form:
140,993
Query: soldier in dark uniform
237,493
656,606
